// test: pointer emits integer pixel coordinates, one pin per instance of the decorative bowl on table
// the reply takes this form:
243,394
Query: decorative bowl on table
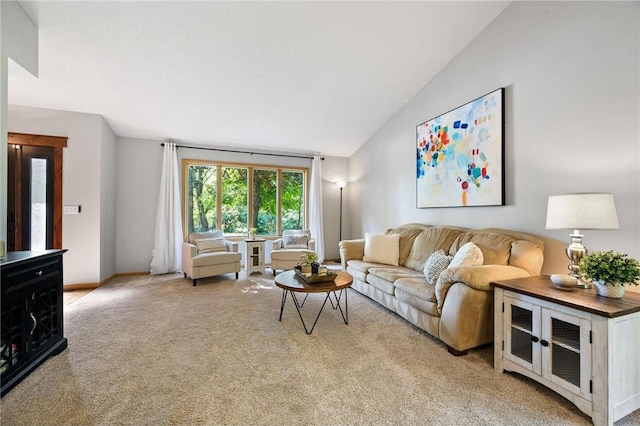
564,282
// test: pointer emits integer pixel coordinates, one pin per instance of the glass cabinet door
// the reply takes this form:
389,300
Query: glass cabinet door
13,345
522,336
566,339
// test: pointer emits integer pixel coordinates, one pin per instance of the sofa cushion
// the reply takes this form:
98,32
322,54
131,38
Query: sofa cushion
204,235
362,266
496,248
527,255
216,258
288,254
468,255
436,263
419,303
210,245
408,234
417,287
381,248
359,268
381,284
429,241
392,274
357,274
384,278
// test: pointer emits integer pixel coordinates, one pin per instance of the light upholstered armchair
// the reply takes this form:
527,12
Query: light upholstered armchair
287,250
206,254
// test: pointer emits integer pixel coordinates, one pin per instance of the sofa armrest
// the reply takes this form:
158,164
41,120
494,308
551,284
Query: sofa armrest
350,250
231,245
188,252
476,277
277,244
312,244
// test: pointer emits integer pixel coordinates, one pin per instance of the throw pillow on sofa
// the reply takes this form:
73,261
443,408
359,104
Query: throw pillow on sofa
435,264
379,248
210,245
468,255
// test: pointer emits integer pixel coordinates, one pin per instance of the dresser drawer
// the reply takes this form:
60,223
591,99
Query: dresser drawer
30,274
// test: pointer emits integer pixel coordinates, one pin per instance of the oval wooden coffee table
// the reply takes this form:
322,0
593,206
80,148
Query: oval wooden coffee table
290,283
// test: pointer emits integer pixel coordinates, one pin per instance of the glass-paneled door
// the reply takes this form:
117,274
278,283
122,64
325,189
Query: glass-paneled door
30,197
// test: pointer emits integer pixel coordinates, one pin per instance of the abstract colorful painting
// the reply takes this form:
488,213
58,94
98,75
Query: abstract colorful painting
460,155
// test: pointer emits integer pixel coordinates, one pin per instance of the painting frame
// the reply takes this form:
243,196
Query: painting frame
460,155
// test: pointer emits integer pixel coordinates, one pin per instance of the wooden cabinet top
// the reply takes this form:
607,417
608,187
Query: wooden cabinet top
16,257
585,300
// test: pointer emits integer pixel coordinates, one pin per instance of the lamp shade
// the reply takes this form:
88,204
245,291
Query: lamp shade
341,184
582,211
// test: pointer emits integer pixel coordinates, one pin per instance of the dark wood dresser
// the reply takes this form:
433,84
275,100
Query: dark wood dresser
31,312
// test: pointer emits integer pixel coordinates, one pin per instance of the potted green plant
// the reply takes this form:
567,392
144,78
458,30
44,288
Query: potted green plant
252,233
309,260
610,272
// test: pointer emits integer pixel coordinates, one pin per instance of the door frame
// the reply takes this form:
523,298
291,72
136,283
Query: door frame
58,143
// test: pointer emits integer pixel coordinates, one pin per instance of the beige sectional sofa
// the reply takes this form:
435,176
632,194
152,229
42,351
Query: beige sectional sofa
458,307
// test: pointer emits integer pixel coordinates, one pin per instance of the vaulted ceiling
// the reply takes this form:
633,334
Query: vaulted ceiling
309,77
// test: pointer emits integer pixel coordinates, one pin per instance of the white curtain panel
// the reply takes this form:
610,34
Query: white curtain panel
315,207
167,248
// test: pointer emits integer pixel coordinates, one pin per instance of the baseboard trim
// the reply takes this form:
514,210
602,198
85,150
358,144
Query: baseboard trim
81,286
93,286
128,274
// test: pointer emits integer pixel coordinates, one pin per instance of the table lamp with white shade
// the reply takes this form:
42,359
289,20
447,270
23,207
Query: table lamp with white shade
580,211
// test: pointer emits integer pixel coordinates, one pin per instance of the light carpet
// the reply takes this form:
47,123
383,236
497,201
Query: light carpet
157,351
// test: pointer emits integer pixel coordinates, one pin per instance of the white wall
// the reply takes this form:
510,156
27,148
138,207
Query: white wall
139,169
107,201
18,41
334,169
81,182
19,36
572,125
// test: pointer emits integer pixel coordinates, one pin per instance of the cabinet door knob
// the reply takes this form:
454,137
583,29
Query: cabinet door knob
39,273
544,343
534,339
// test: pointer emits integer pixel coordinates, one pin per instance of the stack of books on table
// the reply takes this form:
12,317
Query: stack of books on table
324,274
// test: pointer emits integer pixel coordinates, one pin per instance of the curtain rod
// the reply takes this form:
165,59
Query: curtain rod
244,152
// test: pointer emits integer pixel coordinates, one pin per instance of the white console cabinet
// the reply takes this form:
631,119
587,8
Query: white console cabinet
583,346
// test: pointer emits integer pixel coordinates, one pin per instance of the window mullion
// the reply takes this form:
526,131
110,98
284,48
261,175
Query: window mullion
219,197
279,202
250,197
306,185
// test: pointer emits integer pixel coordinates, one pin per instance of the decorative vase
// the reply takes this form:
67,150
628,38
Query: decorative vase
252,236
611,291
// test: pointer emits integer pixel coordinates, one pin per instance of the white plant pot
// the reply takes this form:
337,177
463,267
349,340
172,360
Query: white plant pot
612,291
